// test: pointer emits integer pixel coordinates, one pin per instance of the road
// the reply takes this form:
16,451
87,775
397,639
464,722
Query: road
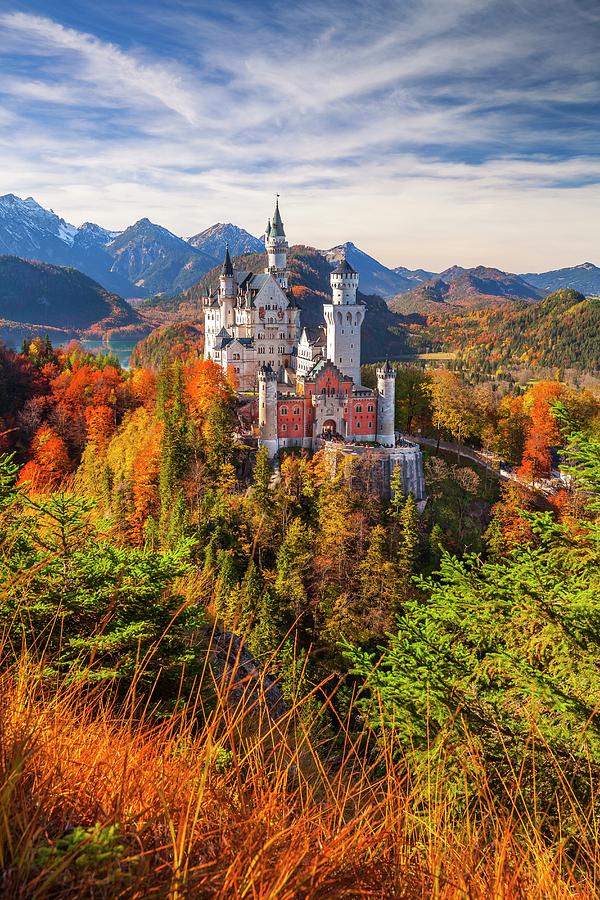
483,459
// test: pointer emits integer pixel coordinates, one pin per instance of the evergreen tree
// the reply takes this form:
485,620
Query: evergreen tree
267,631
262,478
292,567
217,432
436,545
176,452
408,546
376,573
242,604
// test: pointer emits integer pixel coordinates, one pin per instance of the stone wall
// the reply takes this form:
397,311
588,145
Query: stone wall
369,469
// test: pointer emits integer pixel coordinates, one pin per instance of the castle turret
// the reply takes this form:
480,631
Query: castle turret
386,405
344,318
267,409
277,248
344,284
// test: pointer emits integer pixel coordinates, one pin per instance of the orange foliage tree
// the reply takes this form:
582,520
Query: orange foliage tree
145,484
543,431
205,382
50,461
143,386
100,425
79,387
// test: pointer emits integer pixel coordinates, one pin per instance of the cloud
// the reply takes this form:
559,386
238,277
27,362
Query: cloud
413,127
104,65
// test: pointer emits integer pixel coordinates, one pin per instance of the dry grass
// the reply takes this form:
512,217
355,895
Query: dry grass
241,808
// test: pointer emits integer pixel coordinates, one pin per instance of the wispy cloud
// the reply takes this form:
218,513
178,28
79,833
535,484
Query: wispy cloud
104,66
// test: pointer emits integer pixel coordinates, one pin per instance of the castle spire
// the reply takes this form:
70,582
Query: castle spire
227,264
277,248
277,225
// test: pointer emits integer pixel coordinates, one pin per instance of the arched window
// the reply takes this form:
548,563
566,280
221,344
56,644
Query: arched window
349,317
296,410
358,409
284,410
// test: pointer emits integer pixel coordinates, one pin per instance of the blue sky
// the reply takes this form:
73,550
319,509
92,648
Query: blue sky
429,132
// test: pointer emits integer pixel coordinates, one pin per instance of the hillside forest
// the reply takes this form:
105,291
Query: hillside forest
221,680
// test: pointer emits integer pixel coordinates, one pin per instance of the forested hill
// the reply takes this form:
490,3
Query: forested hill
563,330
382,333
40,294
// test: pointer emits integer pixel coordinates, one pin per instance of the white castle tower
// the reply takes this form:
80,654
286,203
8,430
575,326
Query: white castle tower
277,248
227,291
267,409
386,405
344,318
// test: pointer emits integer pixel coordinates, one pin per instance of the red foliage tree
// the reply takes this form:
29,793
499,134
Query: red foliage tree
100,424
543,432
50,461
205,382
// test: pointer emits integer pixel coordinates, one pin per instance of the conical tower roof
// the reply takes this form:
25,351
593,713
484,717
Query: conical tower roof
344,268
227,264
277,224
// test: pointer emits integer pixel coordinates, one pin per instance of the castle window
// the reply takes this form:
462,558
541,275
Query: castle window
370,424
284,427
284,410
370,407
358,409
296,410
295,428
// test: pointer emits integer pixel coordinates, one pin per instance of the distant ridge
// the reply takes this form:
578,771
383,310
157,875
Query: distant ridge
36,296
584,278
153,260
457,288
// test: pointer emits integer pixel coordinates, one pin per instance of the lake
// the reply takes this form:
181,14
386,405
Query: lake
121,349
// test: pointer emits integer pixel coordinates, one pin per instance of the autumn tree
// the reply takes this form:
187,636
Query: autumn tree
205,383
413,400
543,431
451,406
50,461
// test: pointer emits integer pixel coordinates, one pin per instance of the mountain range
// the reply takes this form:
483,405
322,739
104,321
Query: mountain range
213,241
457,288
143,260
146,259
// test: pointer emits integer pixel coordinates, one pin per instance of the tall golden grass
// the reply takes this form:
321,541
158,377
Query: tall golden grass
101,799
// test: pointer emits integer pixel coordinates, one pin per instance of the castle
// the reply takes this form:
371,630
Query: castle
308,380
